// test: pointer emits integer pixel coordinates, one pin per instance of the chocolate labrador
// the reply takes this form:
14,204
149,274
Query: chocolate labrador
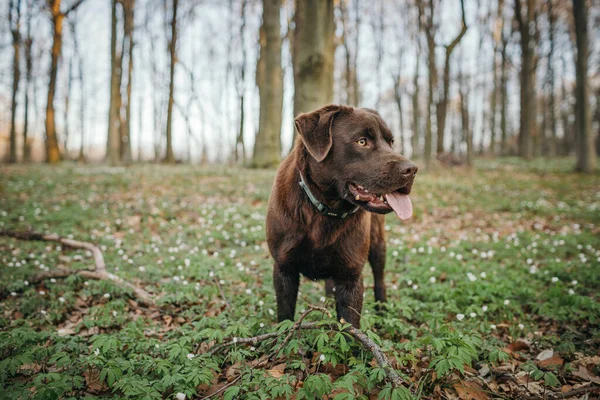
324,218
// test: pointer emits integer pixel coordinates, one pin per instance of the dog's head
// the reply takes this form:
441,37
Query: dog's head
351,151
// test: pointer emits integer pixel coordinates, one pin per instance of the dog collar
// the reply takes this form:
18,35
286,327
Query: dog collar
322,207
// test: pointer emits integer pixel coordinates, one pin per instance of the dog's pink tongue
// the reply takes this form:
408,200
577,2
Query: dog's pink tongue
401,205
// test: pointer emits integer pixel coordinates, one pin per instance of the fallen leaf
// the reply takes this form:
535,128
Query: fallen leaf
92,379
277,371
554,360
468,390
584,374
519,345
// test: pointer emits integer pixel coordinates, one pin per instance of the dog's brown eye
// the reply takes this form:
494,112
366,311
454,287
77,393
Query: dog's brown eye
362,142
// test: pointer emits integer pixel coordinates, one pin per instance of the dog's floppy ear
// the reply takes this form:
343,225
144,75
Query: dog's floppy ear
314,129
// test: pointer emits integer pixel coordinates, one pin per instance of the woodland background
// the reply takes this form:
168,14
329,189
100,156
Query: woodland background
205,81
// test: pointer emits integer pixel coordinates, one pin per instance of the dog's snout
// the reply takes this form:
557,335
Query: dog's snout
407,167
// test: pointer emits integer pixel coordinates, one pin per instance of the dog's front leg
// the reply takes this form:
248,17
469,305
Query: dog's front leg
349,300
286,283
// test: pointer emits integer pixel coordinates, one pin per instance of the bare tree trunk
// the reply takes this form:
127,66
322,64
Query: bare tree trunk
398,97
355,99
128,9
66,109
465,121
567,109
552,142
349,78
432,79
239,141
443,102
58,16
313,54
497,36
80,78
527,119
28,79
170,158
113,148
52,150
267,146
14,19
586,153
504,98
416,111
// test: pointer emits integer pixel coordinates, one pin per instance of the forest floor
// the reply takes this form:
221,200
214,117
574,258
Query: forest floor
492,289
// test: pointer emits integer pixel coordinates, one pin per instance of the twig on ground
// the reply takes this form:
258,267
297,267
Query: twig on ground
221,291
380,357
99,272
357,334
221,389
565,395
297,325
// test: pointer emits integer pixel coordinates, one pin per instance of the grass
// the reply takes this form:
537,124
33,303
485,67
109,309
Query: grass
498,264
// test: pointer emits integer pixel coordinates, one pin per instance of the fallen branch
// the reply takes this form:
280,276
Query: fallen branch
565,395
221,291
380,357
98,273
357,334
297,325
222,389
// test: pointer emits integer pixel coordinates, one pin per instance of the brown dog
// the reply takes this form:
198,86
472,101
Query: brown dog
323,219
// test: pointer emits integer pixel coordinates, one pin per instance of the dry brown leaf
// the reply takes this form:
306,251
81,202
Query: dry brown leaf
468,390
93,382
519,345
584,374
554,360
277,371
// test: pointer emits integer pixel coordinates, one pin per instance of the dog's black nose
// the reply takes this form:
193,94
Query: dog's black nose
407,168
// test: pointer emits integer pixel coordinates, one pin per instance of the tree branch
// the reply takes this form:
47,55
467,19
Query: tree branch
98,273
73,7
358,335
457,39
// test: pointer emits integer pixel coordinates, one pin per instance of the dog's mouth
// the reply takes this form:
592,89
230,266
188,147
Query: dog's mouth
382,203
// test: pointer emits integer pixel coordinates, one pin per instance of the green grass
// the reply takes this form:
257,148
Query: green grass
504,252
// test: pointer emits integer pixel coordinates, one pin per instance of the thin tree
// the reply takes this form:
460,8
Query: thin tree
398,98
66,126
497,33
128,27
416,111
551,80
113,143
443,102
240,146
463,91
170,158
28,45
267,146
14,19
585,151
504,60
526,23
80,78
58,16
428,28
313,54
